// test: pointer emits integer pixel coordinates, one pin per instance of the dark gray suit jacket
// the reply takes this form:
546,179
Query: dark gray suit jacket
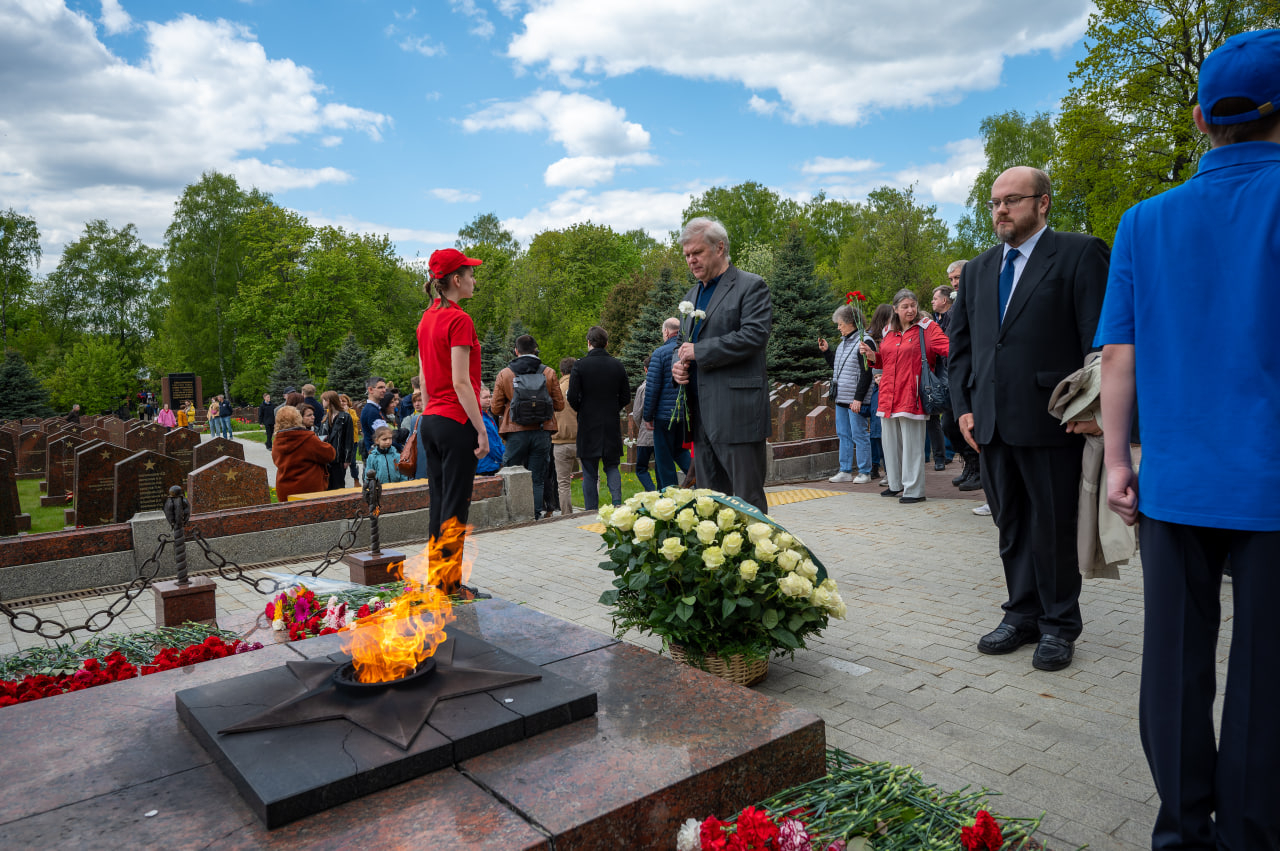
732,385
1003,374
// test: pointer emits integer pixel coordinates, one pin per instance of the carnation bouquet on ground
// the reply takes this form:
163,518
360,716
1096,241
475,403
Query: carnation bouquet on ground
712,575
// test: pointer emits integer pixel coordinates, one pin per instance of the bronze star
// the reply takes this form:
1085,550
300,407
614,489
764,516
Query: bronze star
231,475
150,465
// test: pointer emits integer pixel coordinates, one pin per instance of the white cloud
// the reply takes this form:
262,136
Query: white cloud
455,196
115,19
331,141
397,234
948,182
405,16
837,165
654,210
481,26
830,62
594,133
87,134
762,106
509,7
419,44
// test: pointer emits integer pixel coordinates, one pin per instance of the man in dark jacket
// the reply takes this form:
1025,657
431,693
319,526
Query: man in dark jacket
267,417
598,391
528,444
224,417
659,403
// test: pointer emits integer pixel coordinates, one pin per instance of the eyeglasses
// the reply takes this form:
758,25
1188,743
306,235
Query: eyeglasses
1009,200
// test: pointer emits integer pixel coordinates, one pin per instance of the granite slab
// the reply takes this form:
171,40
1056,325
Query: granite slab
227,482
142,483
212,450
181,443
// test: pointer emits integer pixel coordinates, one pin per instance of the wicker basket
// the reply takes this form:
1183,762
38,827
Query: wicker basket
736,669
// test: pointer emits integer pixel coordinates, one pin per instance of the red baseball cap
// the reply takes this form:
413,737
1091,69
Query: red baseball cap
449,260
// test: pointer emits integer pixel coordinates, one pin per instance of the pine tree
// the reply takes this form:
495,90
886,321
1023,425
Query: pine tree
502,355
21,393
646,331
801,314
489,346
349,368
289,371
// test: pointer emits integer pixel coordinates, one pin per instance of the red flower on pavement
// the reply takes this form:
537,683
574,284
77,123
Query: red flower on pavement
983,835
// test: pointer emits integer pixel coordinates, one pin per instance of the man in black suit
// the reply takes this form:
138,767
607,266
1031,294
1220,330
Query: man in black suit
1024,320
598,391
723,364
267,417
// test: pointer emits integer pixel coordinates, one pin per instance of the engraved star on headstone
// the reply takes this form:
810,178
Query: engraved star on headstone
106,453
231,475
150,465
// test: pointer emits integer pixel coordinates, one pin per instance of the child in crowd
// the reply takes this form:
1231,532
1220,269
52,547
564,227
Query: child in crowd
383,457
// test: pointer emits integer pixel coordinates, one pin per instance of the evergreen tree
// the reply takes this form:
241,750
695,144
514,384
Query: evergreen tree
349,368
21,393
506,352
289,371
646,331
490,346
801,314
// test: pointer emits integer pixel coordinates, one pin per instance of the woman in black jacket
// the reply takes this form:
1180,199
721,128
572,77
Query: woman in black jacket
337,431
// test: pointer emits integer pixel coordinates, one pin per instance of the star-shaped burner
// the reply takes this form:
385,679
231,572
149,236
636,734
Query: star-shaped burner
394,712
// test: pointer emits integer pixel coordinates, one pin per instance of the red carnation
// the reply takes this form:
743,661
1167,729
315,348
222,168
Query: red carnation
983,835
858,295
711,834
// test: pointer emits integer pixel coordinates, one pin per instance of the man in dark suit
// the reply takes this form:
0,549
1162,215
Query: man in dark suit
267,417
598,391
1025,319
723,363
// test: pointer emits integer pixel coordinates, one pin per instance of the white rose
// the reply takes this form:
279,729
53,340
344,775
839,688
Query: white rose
685,308
795,585
672,549
683,496
820,597
786,540
726,519
747,570
646,499
664,509
623,518
829,584
705,492
644,528
766,550
808,570
606,511
708,532
837,608
732,544
713,557
788,559
686,520
706,506
759,531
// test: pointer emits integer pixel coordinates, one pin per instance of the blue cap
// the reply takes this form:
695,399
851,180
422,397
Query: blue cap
1245,66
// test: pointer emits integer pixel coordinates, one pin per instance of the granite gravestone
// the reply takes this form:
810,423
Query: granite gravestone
95,483
10,508
147,437
181,443
116,429
6,442
95,433
62,468
820,422
227,483
32,443
142,483
219,447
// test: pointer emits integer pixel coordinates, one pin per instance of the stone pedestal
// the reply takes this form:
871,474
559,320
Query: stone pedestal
373,569
176,604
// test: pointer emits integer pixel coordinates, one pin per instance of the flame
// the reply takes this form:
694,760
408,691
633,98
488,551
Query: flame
392,642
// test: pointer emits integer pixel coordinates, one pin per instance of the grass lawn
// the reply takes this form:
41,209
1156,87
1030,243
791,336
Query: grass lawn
630,487
42,519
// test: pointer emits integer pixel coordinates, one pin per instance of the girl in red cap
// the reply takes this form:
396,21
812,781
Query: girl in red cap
451,432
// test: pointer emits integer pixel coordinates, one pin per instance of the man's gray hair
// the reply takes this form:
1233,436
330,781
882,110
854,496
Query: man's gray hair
956,266
844,313
708,230
671,324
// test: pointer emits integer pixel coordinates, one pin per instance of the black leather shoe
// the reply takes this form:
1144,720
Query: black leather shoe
890,492
939,464
972,483
1052,653
910,500
1005,638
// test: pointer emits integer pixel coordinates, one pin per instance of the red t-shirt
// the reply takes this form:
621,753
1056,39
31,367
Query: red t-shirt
438,332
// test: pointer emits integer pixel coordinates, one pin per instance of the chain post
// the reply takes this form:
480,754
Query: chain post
178,511
373,497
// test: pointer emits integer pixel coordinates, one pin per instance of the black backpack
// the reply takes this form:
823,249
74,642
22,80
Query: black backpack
530,399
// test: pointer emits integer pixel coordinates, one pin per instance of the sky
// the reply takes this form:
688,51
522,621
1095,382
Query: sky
412,118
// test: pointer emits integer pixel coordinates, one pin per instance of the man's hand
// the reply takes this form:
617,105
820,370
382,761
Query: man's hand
855,406
822,344
1122,492
1089,426
966,429
680,372
685,352
649,423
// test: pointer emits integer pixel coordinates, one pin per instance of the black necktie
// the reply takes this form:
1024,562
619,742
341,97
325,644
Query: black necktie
1006,280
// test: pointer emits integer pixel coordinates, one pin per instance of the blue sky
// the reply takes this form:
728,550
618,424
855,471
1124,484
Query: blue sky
410,118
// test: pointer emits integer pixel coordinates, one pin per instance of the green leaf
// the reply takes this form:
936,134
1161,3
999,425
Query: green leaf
745,602
795,622
727,607
770,619
684,611
689,600
609,598
785,638
638,581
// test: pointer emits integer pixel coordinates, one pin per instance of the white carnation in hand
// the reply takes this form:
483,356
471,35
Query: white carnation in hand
685,308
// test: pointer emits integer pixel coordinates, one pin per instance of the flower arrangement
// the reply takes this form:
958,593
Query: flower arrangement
680,413
712,575
298,610
860,806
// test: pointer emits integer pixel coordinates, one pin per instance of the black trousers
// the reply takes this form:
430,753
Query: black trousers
937,441
1212,796
737,469
451,468
1033,492
951,429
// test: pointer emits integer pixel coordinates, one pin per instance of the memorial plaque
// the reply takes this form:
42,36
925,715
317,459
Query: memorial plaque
142,483
32,444
10,507
95,483
62,468
227,483
179,387
181,443
95,433
820,422
218,447
147,437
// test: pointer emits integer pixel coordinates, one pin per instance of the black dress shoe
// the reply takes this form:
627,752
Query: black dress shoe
1005,638
1052,653
972,483
910,500
939,464
890,492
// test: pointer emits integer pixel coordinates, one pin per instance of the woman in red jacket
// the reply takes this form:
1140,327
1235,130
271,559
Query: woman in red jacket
902,416
302,459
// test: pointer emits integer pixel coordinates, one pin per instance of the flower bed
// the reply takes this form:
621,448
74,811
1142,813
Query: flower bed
859,806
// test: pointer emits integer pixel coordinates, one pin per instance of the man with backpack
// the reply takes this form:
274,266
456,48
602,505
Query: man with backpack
526,397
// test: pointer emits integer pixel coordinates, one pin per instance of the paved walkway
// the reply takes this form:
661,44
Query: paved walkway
900,679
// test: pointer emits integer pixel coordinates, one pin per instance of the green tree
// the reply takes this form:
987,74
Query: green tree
801,312
646,332
396,360
486,229
21,393
489,346
895,243
750,212
756,258
19,255
289,371
826,222
1126,131
349,368
621,308
96,375
503,353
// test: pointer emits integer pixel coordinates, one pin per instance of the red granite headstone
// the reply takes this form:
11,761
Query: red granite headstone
146,436
219,447
143,481
7,442
820,422
10,508
180,443
32,443
62,469
95,484
96,433
227,483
